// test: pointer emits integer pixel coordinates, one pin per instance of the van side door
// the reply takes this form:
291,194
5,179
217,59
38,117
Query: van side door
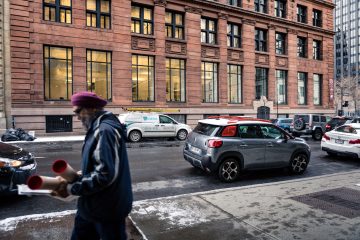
167,126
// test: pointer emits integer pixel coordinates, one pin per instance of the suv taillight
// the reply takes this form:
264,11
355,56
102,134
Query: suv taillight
215,143
327,126
356,141
326,137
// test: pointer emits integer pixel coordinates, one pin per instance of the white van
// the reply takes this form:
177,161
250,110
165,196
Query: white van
141,125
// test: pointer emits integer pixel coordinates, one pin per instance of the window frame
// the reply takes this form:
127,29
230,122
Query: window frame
305,87
266,81
320,89
285,86
280,8
261,41
301,13
181,80
67,72
239,70
58,8
260,6
231,36
281,41
108,81
317,18
99,14
150,67
141,20
302,46
233,3
208,32
215,78
173,24
317,53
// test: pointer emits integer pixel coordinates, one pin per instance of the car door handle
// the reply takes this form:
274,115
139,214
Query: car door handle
156,125
270,145
243,145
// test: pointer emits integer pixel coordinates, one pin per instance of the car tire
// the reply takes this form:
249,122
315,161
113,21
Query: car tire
181,134
229,170
298,163
317,135
135,136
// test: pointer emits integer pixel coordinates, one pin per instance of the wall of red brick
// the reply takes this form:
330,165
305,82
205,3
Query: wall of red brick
29,33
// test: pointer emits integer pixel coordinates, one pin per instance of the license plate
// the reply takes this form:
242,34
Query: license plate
339,141
195,150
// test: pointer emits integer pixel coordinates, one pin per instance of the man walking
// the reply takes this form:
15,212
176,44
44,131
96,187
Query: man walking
104,187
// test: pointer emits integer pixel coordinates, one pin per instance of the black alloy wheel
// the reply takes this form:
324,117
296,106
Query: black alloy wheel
298,163
229,170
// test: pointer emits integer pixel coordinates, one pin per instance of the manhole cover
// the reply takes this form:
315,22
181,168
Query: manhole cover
341,201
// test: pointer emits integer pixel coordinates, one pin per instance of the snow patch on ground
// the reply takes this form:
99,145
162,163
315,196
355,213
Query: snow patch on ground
9,224
173,213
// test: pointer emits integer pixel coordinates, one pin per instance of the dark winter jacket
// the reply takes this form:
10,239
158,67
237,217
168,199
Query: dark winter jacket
105,186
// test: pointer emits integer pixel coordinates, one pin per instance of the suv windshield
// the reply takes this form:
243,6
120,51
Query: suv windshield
205,129
303,117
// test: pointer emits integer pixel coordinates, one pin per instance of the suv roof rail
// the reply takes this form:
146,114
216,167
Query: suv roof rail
234,119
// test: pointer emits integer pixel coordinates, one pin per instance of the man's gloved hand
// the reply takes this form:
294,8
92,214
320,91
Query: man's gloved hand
61,190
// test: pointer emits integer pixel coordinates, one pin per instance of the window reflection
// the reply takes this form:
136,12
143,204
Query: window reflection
99,73
58,73
175,80
143,78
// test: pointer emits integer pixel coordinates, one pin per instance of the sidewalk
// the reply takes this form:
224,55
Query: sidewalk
321,208
325,207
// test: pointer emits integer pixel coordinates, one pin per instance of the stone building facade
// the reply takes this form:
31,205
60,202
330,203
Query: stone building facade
187,58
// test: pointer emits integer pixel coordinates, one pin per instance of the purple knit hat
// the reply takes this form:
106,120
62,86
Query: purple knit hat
87,100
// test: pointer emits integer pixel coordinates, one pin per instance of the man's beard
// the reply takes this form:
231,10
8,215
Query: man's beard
87,122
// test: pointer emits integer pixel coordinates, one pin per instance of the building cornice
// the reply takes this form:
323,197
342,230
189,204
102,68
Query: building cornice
261,16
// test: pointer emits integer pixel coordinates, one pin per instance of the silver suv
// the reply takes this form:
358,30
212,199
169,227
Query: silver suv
229,145
309,124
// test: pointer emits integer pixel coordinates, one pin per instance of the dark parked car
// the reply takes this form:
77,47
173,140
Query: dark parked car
16,165
336,122
227,146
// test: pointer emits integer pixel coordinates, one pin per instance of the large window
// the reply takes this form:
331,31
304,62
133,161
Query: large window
57,73
143,78
174,25
317,49
233,35
261,6
301,14
98,13
280,8
57,11
301,47
208,31
234,84
98,74
261,82
260,40
317,78
302,88
175,80
236,3
142,20
317,21
209,82
280,44
281,86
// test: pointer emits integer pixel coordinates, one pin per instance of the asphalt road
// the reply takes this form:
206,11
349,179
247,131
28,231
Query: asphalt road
158,170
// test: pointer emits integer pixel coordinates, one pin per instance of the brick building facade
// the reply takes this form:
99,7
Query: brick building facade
188,58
